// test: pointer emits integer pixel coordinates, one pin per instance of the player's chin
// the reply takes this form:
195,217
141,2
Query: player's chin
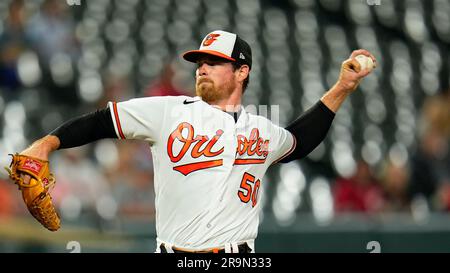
207,93
204,89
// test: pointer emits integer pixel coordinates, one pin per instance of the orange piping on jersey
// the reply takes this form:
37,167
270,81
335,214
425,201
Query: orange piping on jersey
288,152
242,161
116,115
192,167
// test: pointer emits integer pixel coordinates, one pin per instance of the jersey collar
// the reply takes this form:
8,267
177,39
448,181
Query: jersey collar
243,115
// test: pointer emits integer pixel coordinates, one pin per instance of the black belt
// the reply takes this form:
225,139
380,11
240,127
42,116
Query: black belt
242,248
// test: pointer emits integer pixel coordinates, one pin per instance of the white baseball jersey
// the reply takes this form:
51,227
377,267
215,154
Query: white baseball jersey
208,168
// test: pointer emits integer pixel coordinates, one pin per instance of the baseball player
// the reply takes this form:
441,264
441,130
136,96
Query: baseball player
209,154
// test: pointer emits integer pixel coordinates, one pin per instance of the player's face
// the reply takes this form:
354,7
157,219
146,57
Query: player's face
215,79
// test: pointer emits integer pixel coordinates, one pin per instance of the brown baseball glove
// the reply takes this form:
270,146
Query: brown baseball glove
36,193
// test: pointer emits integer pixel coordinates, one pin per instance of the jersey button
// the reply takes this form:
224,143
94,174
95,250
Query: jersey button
208,225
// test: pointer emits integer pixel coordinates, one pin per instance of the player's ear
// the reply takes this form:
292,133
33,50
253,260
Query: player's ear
243,72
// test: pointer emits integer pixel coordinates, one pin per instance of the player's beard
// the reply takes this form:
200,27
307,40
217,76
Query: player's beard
210,93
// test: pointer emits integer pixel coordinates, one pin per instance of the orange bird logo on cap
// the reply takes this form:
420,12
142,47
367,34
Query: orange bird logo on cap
210,39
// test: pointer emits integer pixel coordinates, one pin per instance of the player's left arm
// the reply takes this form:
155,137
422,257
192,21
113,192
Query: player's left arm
311,128
75,132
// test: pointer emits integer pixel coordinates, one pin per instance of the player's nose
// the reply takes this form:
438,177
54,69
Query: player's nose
202,69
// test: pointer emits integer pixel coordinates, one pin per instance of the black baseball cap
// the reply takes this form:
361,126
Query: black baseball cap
225,45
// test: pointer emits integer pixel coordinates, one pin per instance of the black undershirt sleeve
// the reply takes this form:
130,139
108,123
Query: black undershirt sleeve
309,130
85,129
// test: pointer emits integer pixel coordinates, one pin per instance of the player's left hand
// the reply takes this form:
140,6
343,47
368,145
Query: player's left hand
351,73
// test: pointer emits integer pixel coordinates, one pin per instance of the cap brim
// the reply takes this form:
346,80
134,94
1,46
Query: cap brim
193,55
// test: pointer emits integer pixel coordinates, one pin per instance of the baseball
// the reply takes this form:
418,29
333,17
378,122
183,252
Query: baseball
365,62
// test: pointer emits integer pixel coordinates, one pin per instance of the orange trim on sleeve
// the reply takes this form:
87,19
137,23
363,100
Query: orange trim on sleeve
294,144
116,115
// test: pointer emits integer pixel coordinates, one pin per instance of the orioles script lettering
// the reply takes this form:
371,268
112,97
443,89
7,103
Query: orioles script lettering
255,147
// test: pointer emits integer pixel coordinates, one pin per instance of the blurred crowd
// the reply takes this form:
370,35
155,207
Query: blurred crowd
398,184
39,48
413,182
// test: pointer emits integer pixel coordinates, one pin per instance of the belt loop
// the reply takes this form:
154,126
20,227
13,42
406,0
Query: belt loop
228,248
235,248
168,247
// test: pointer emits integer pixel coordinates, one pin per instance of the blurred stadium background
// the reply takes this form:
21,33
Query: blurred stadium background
381,175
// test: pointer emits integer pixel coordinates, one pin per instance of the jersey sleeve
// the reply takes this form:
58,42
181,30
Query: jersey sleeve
282,143
140,118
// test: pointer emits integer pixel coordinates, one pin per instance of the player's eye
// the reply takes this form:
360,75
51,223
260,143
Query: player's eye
210,63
